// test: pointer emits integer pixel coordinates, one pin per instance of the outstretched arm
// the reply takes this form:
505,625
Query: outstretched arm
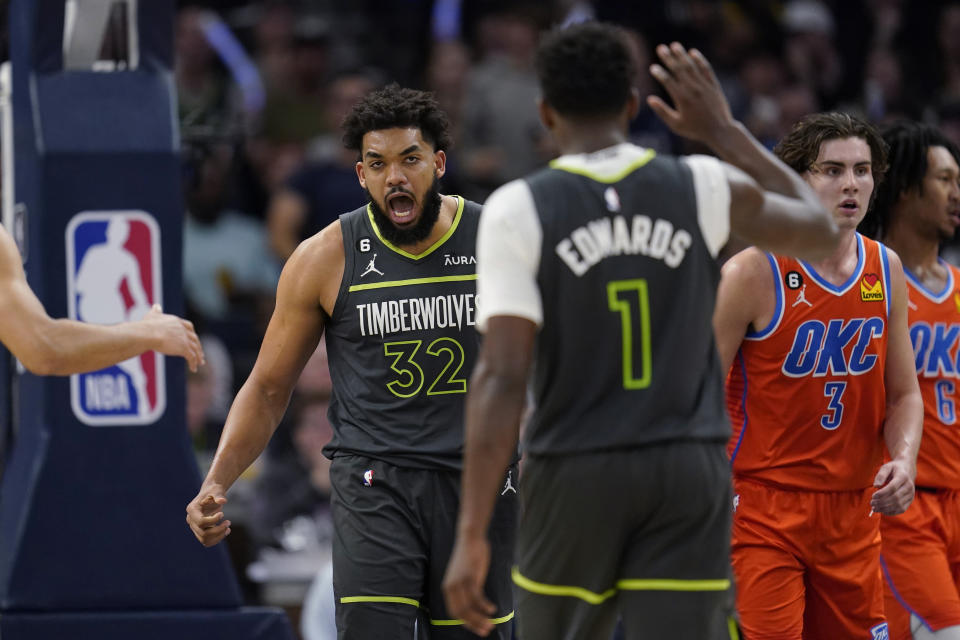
903,424
292,337
508,257
494,409
47,346
771,206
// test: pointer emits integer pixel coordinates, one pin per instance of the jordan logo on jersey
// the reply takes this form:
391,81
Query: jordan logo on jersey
508,485
871,287
802,298
820,349
371,267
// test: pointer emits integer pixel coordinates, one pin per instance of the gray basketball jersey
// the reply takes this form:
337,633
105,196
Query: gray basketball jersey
626,355
402,344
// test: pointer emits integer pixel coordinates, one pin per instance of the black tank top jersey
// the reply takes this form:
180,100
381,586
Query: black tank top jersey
626,355
402,344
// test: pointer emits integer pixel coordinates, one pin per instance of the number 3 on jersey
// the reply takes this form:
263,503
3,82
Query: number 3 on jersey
629,298
834,416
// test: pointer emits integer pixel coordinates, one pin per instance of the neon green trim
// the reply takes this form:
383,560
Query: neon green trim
626,585
397,599
732,628
436,245
396,387
558,590
411,282
454,623
452,384
673,585
647,156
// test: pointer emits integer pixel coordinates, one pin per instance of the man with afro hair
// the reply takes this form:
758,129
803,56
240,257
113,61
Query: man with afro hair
393,286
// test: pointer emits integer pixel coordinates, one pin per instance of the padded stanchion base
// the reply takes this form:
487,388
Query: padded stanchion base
247,623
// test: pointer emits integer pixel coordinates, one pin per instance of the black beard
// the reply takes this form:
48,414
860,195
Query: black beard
420,230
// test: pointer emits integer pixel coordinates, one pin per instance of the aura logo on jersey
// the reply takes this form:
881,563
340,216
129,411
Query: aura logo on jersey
821,349
113,275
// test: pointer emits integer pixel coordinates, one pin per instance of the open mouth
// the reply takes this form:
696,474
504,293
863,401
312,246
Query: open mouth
400,206
849,205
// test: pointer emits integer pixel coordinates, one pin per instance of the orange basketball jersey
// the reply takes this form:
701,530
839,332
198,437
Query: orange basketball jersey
934,319
806,392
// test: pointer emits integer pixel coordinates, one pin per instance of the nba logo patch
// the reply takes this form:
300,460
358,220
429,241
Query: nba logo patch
880,632
113,275
368,478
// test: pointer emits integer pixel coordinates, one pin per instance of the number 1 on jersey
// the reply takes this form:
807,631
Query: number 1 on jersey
629,298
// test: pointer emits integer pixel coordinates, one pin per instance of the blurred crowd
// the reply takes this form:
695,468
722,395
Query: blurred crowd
263,85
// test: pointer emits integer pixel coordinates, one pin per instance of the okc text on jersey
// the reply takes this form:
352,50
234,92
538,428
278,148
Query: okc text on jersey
821,349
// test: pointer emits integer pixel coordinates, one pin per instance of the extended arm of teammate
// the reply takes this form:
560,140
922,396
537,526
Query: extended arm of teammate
291,338
903,425
48,346
771,206
493,412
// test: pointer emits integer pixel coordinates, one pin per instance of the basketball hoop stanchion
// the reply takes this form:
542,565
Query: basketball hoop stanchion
93,542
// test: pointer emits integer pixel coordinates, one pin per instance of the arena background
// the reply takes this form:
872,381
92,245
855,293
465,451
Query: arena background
240,160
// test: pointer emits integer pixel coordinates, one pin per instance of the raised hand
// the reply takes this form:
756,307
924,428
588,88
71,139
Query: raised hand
700,109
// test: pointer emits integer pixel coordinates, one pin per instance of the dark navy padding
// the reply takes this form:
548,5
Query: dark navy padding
92,518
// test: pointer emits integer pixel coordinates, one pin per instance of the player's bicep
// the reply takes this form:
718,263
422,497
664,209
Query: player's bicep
739,298
293,332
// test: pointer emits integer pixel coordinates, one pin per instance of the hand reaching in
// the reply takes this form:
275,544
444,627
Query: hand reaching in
174,336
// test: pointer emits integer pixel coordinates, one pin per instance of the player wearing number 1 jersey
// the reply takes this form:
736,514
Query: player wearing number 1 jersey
393,286
602,265
822,379
918,207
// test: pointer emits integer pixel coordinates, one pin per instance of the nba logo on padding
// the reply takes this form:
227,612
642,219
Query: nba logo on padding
113,275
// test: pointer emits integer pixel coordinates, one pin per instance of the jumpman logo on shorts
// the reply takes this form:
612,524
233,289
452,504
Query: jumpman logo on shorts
508,485
371,267
802,297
